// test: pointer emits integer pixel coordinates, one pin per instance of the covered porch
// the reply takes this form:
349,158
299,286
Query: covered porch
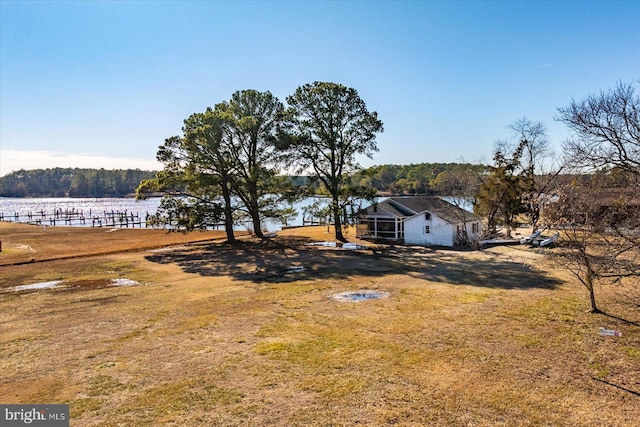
380,228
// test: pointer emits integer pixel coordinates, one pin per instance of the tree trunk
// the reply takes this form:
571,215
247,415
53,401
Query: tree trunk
535,217
254,210
228,214
592,296
337,221
257,227
592,299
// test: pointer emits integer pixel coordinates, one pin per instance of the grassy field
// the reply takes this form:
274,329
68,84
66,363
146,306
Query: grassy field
250,334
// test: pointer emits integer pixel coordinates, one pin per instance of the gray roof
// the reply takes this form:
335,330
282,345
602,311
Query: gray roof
408,206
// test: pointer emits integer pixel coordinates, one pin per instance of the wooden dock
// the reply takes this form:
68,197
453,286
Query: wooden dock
75,217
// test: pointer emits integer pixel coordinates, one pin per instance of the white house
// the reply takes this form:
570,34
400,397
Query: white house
419,220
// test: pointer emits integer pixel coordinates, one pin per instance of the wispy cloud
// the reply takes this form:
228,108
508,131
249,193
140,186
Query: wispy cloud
13,160
546,65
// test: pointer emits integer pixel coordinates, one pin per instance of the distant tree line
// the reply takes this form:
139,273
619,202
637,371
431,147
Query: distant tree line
422,178
72,182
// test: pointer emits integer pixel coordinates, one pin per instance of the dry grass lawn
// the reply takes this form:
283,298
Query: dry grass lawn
234,336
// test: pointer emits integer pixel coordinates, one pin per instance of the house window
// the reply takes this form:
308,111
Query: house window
475,228
427,229
427,216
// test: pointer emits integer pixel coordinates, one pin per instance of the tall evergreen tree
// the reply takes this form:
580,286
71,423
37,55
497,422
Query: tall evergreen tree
252,119
199,169
329,125
500,197
228,152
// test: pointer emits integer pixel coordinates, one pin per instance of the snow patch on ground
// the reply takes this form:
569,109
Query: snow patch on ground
169,249
362,295
124,282
347,246
68,285
35,286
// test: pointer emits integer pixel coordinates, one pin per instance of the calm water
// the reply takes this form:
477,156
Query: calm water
97,206
9,205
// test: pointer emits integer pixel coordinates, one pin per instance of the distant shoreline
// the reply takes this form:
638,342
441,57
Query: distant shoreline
106,196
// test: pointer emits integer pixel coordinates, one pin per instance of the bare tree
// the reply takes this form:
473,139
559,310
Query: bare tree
598,229
537,169
597,211
536,150
606,130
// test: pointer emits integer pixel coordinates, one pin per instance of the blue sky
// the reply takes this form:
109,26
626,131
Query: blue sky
102,84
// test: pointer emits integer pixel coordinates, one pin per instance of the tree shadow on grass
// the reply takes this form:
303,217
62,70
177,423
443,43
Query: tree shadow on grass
617,386
455,267
271,260
287,259
622,319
